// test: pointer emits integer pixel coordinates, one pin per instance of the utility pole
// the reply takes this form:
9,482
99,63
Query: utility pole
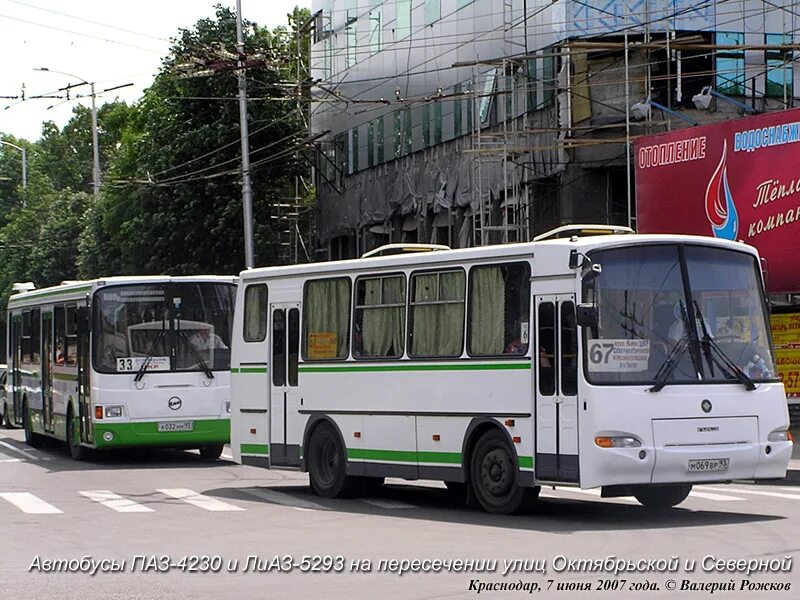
24,162
247,190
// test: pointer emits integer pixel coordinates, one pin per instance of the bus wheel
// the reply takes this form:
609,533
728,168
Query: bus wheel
661,497
327,465
32,439
494,475
212,451
77,451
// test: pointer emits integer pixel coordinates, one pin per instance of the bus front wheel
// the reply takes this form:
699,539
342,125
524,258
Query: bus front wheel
327,465
494,475
33,440
661,497
76,451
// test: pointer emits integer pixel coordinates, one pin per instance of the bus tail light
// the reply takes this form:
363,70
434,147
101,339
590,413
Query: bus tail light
780,435
98,412
618,441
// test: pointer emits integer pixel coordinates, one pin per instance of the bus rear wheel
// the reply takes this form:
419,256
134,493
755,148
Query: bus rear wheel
494,475
327,465
76,451
661,497
34,440
211,452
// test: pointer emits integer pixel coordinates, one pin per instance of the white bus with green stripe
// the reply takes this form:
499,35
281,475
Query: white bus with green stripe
500,369
123,362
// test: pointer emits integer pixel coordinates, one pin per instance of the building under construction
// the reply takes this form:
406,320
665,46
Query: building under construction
470,122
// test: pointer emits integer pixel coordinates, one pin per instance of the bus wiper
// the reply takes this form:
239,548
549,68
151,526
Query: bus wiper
666,369
722,360
196,355
143,369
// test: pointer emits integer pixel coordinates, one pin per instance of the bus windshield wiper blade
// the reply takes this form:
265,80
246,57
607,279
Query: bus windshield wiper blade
196,355
722,360
669,364
143,369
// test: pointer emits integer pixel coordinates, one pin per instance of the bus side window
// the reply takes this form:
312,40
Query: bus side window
25,338
60,347
569,350
71,337
547,348
255,313
36,337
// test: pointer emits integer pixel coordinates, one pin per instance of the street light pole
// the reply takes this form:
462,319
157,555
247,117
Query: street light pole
247,190
95,142
24,162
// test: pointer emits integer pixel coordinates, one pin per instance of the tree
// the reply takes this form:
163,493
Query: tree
172,202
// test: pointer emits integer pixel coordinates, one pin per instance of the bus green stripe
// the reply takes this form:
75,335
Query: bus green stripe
525,462
244,370
409,456
262,449
418,367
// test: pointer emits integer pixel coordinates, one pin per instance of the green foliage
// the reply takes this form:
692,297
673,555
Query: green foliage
171,199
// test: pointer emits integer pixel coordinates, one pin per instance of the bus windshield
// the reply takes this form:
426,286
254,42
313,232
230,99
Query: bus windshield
170,326
677,314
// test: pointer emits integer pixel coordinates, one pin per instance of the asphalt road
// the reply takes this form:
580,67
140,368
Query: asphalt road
141,509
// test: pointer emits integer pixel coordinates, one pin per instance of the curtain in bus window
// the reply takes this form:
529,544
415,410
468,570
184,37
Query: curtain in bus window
438,314
255,313
487,311
383,317
327,324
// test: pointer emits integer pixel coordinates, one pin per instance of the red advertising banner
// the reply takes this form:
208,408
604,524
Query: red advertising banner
737,180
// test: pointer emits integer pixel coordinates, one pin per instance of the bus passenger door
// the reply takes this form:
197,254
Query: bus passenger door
556,382
16,359
47,370
285,424
78,322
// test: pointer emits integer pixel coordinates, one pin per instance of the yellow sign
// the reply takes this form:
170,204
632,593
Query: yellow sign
788,360
322,345
785,329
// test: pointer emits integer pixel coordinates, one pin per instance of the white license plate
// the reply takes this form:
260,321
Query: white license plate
708,465
176,426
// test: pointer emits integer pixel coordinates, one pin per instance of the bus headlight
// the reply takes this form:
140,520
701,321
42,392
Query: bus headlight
617,441
780,435
113,411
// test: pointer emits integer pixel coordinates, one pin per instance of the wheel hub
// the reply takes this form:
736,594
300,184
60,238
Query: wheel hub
496,472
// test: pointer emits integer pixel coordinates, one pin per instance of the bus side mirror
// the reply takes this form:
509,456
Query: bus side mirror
82,320
592,271
586,315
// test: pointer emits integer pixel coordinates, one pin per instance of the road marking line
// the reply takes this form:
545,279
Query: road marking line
386,503
715,497
199,500
29,503
284,499
115,502
20,451
760,493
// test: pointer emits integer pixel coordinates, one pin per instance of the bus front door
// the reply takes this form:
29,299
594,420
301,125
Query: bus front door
556,383
47,370
285,424
16,375
78,321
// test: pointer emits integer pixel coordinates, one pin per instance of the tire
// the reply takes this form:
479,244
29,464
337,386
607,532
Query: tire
661,497
34,440
494,475
327,465
212,451
76,451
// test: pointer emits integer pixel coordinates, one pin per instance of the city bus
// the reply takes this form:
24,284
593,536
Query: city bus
122,362
638,364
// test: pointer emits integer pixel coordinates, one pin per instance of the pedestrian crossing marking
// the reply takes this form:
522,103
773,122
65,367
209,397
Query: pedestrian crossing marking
28,503
199,500
714,497
115,502
765,493
24,453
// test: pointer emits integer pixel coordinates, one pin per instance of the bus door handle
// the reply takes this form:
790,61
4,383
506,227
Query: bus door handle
558,400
